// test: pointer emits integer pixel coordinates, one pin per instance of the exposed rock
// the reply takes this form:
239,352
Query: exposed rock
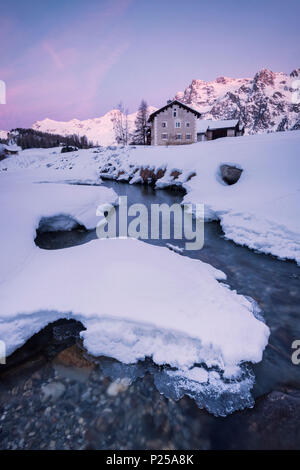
175,174
64,330
230,174
73,357
68,148
148,175
160,173
191,176
47,343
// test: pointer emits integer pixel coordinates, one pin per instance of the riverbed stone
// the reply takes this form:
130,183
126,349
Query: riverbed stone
53,390
273,424
118,386
275,421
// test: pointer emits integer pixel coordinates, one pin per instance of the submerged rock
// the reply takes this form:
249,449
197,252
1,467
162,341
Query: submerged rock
53,390
273,424
119,386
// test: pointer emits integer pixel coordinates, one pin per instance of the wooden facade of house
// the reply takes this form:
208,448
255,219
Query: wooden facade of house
211,130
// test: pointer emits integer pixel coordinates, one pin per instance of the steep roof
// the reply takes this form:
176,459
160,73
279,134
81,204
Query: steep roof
168,105
208,124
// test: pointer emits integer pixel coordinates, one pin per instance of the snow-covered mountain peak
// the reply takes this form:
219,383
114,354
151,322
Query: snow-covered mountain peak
262,104
203,95
265,76
98,130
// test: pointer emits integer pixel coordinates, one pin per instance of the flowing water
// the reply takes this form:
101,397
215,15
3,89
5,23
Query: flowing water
272,283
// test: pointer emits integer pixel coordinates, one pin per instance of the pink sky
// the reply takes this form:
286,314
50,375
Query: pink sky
71,59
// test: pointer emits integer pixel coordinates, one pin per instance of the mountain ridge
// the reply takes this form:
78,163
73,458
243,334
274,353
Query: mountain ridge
263,103
99,130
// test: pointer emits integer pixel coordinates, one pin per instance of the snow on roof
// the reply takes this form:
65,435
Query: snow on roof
170,103
12,148
222,124
187,106
204,124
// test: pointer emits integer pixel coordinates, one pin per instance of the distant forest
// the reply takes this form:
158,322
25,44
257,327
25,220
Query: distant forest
30,138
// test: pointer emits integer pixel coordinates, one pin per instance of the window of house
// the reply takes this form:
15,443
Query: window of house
188,136
187,124
164,136
177,124
178,136
175,112
164,124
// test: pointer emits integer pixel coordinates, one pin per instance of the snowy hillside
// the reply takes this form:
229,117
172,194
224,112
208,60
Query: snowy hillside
262,104
98,130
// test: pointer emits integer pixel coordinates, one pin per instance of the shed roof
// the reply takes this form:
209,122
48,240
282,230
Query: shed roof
12,148
208,124
202,125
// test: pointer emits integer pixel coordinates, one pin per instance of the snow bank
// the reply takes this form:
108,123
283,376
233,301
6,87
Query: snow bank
136,300
24,202
260,211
